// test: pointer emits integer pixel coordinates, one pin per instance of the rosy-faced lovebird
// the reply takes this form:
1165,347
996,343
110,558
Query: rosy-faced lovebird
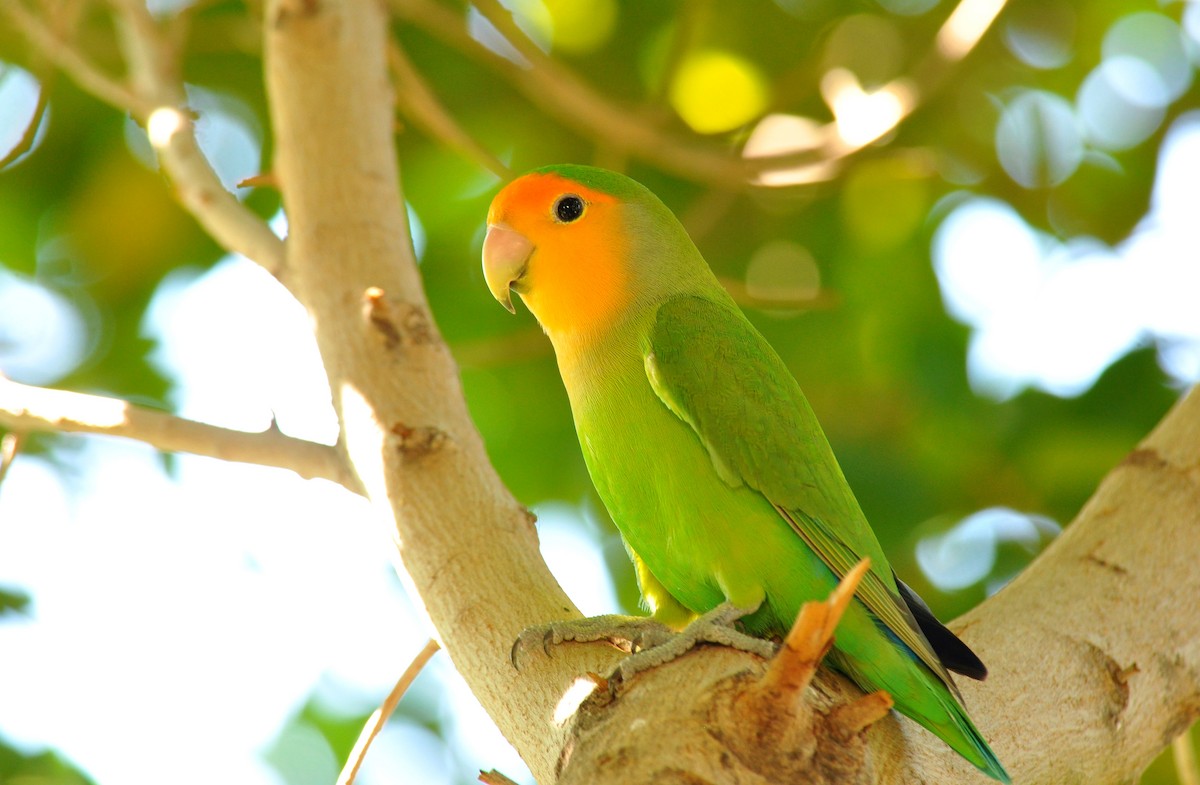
704,449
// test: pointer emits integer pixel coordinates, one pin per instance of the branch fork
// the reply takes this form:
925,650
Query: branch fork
760,723
778,731
775,700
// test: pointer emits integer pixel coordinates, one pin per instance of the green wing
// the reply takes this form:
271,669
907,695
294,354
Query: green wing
711,368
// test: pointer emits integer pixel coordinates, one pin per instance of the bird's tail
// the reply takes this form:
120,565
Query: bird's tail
921,695
956,729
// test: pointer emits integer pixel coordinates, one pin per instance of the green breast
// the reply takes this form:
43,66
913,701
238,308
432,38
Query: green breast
702,538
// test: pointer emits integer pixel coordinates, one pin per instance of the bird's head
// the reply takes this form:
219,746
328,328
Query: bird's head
581,245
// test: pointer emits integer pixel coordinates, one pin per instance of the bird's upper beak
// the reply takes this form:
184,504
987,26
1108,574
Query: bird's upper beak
505,254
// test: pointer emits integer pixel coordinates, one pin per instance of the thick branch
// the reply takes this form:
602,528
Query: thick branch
1060,641
26,408
1093,652
468,546
757,723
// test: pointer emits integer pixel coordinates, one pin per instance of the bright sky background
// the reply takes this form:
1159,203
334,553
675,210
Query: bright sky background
160,601
1054,315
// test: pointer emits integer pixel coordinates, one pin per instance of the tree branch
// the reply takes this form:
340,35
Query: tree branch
468,546
422,107
157,101
1094,658
154,68
29,135
26,408
10,446
1095,649
64,56
1062,640
380,716
559,92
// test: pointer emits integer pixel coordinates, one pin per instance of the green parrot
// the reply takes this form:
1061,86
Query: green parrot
704,449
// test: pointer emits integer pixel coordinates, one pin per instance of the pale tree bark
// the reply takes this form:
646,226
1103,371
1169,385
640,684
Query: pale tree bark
465,542
24,408
1094,651
1094,654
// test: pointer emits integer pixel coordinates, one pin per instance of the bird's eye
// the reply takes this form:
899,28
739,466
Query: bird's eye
568,208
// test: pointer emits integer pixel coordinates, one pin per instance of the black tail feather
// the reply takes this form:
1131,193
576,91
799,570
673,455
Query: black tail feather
953,653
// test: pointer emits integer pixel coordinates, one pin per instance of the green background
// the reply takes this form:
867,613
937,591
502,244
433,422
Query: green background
882,362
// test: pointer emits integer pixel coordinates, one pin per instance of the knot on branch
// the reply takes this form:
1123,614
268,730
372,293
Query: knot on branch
779,733
397,323
708,718
821,740
1145,458
296,9
421,441
1114,680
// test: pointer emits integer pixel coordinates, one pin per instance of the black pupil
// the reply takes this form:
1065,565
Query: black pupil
568,208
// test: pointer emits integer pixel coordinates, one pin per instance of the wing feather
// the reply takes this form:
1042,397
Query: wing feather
714,371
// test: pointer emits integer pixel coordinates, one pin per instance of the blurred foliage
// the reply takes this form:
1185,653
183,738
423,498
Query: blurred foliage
86,216
20,766
12,601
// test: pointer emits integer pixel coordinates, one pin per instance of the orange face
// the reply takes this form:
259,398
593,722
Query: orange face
559,245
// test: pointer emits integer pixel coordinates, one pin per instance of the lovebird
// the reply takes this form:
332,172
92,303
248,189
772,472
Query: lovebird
704,449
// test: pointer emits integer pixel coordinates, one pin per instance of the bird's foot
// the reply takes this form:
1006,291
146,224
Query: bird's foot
716,626
627,633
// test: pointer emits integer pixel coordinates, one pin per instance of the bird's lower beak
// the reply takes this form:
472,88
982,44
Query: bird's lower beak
505,254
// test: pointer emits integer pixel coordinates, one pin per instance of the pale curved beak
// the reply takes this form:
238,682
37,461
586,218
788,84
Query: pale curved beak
505,254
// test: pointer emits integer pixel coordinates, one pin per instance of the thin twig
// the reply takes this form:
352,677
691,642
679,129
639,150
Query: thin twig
562,94
688,23
67,59
27,408
502,19
613,153
966,25
494,777
572,101
422,107
159,91
380,716
27,139
151,68
10,445
1183,751
197,185
154,69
